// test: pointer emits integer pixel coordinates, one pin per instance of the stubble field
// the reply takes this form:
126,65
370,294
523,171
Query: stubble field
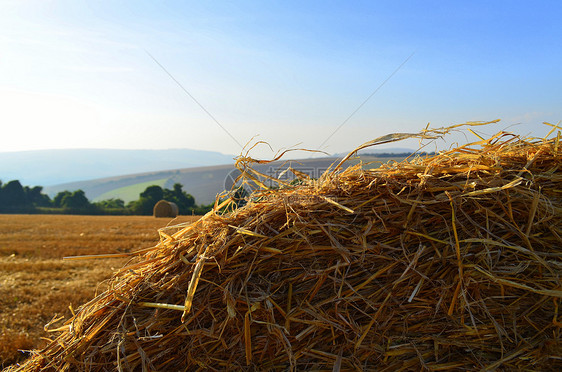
37,285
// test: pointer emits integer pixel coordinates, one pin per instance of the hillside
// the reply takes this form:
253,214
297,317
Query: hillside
204,183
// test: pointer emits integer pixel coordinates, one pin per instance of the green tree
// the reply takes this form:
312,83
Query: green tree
110,204
153,193
148,198
76,200
203,209
57,201
35,196
13,194
183,200
142,206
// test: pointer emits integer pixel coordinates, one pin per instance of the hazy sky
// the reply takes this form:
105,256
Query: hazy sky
76,74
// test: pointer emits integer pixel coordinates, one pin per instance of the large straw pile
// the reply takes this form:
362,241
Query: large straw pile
440,263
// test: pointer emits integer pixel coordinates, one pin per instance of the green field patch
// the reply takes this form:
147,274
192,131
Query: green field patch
131,192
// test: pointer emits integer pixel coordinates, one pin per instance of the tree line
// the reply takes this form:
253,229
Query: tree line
15,198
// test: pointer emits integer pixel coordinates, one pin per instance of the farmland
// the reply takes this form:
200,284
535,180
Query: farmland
363,269
130,193
36,284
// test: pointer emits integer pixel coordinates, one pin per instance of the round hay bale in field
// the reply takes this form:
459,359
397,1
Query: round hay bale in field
165,208
448,262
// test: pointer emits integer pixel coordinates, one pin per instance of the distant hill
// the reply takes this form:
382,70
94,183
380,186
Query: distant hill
52,167
204,183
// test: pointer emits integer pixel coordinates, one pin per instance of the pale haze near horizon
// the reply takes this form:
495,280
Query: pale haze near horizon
78,74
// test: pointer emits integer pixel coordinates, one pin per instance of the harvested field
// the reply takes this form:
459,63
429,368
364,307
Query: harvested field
36,284
450,262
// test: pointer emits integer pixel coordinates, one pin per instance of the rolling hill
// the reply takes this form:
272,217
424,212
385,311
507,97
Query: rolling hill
204,183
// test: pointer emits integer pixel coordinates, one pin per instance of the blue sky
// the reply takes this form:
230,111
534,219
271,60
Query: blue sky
76,74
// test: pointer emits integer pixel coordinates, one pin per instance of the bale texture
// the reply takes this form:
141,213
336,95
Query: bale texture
449,262
165,208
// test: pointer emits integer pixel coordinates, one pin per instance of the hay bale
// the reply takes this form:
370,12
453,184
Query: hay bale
165,208
441,263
